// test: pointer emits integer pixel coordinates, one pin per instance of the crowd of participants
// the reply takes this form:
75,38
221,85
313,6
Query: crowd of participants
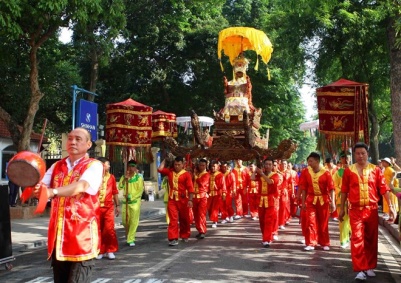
85,200
276,191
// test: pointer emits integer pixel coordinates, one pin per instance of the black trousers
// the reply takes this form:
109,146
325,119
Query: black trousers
72,272
13,193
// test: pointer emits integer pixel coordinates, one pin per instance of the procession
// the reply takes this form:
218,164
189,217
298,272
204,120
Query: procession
177,165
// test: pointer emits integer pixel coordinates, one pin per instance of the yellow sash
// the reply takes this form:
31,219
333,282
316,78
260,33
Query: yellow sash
363,183
103,189
212,187
315,183
174,191
264,191
239,170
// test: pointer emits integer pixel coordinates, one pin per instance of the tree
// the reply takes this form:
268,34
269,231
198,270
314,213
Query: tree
34,23
394,42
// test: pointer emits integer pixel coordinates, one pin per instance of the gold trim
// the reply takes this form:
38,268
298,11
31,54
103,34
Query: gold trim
109,126
335,93
110,111
336,112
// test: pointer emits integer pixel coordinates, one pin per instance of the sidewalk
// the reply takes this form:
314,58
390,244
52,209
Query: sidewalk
30,234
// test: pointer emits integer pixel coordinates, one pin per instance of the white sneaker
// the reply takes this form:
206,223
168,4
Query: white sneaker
345,246
335,219
231,219
386,216
275,237
132,244
224,221
247,216
111,256
309,248
326,248
281,227
236,217
255,218
99,256
214,225
370,273
302,241
361,276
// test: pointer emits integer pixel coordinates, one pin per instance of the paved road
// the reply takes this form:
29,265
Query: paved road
229,253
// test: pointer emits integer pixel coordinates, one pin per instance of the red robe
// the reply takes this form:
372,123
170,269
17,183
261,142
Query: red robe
242,179
363,197
284,203
109,243
217,187
267,205
317,187
73,226
226,206
180,186
253,197
201,190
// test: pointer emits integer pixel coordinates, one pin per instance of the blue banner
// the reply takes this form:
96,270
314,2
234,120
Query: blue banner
87,117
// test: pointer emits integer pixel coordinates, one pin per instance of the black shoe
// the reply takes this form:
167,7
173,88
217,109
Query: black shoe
266,244
202,236
198,236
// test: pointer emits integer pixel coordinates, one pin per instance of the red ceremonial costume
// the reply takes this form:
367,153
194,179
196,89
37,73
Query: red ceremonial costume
73,227
217,188
253,197
241,198
284,203
363,198
268,205
227,209
277,203
180,186
109,243
293,200
316,186
201,189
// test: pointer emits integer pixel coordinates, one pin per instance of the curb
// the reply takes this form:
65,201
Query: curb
42,244
392,228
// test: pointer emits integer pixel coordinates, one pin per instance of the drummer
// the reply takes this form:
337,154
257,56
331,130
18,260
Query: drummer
73,185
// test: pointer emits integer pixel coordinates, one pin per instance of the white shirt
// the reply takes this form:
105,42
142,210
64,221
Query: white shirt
93,175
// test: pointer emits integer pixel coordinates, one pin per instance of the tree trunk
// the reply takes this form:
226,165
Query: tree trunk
36,96
395,86
374,134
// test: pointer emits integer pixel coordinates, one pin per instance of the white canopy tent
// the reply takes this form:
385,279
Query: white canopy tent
185,121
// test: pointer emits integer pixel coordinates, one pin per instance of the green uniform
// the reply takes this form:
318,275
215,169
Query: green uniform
131,204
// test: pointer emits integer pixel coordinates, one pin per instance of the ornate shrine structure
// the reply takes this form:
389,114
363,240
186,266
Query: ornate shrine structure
236,126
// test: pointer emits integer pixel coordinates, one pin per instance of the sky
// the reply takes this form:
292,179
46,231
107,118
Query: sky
309,100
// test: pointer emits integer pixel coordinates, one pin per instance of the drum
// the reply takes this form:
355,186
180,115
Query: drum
26,169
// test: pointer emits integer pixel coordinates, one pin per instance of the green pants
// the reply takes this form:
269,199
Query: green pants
131,219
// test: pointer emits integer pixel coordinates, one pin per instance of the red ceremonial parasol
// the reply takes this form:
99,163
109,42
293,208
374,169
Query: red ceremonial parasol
128,131
343,114
164,125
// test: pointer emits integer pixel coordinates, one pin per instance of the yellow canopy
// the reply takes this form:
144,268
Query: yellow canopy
234,40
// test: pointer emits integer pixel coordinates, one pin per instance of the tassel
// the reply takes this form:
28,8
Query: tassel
268,74
257,63
221,66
